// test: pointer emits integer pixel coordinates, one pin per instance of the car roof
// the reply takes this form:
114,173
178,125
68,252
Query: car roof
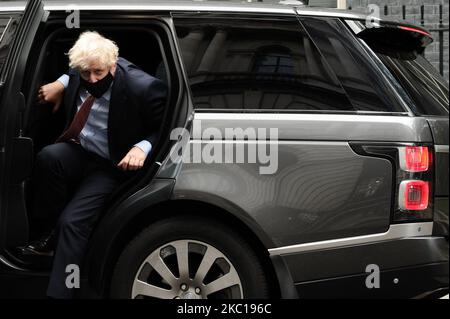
12,6
193,6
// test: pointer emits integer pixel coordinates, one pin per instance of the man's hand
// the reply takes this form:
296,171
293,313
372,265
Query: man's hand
133,160
51,93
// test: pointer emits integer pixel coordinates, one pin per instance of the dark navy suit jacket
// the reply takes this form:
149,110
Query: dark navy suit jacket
136,107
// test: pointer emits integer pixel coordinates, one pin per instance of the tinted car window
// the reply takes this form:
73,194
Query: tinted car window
400,48
366,89
264,63
8,24
422,82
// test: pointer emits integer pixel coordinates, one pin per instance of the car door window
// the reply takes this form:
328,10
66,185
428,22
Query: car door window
247,63
8,25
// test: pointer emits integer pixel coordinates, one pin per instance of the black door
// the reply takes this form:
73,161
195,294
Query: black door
15,151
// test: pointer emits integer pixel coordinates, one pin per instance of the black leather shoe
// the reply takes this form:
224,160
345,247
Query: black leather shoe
45,246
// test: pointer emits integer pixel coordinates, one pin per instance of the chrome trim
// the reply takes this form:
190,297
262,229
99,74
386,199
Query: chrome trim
402,192
354,26
395,232
194,140
170,7
334,13
441,148
7,263
194,6
11,9
302,117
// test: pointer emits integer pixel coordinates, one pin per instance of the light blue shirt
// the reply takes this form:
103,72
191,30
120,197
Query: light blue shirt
94,135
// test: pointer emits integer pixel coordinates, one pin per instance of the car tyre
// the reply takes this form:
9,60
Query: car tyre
188,258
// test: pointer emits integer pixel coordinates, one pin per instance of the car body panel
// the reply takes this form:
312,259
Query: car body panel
313,213
321,189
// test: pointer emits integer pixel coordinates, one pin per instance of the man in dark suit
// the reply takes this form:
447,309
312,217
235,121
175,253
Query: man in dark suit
114,111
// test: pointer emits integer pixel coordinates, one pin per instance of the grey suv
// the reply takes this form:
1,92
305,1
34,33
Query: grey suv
347,196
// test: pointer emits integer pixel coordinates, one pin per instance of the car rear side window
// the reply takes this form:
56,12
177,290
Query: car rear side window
256,63
400,48
424,85
366,88
8,24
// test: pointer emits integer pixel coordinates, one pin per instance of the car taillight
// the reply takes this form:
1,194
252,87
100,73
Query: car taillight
414,158
413,195
413,178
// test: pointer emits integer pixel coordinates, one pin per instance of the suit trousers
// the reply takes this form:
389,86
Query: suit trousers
71,187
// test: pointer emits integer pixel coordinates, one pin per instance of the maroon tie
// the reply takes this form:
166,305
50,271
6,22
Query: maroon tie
78,122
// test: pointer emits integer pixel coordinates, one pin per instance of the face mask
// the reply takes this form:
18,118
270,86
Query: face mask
98,88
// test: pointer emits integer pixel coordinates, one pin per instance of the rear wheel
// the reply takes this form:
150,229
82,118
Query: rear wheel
188,258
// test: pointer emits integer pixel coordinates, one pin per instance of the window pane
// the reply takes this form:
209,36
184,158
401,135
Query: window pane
366,89
245,63
423,83
8,24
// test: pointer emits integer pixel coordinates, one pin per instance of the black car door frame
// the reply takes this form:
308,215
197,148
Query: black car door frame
15,156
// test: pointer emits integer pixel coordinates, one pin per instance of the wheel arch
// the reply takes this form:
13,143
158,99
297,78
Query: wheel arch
107,254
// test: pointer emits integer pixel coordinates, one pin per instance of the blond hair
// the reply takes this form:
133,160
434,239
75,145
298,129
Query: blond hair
91,46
